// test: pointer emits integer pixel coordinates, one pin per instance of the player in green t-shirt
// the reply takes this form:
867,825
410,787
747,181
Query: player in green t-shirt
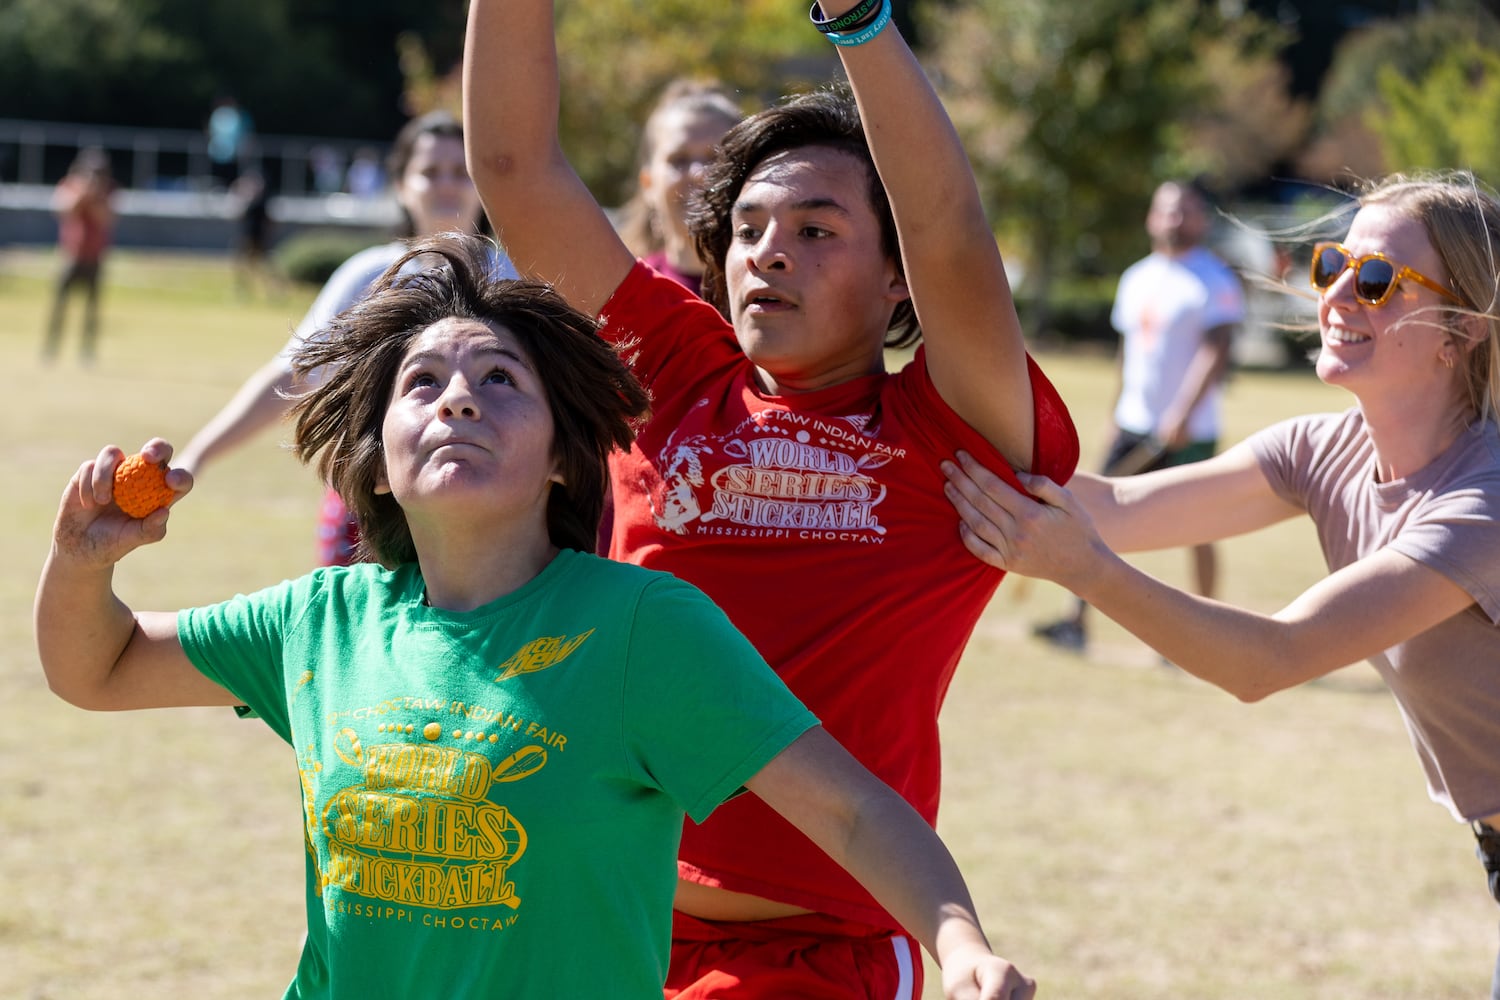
498,734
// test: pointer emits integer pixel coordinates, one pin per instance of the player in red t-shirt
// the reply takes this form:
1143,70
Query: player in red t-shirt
85,221
784,471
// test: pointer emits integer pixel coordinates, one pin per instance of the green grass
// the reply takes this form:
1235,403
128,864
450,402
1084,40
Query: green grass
1128,832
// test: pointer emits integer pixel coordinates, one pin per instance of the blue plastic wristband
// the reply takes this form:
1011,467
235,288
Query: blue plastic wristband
864,34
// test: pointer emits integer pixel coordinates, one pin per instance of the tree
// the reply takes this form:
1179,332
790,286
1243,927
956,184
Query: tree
1353,96
324,67
1444,118
1074,112
616,55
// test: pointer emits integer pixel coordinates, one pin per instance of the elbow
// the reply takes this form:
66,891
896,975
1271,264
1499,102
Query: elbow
1281,666
79,696
1252,693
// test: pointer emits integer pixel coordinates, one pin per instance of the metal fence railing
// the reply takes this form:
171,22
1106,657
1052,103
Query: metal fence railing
160,159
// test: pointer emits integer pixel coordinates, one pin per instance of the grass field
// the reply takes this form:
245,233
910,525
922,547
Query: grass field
1128,831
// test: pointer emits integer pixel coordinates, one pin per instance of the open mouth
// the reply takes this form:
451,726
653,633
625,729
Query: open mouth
1339,335
766,300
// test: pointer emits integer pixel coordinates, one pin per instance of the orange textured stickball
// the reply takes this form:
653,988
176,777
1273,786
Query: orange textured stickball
141,486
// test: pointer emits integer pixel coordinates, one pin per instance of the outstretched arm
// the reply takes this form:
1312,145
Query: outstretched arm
265,397
1356,612
882,841
975,351
259,403
1192,504
95,651
547,220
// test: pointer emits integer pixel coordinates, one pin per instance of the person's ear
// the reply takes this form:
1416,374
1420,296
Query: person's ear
382,483
897,291
1468,333
1474,331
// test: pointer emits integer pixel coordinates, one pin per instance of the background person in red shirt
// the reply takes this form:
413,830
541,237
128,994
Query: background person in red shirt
85,221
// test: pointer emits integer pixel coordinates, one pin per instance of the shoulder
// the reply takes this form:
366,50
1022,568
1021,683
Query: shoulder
1477,458
1144,266
359,271
586,568
1326,429
658,594
644,289
1209,266
372,259
666,326
1313,441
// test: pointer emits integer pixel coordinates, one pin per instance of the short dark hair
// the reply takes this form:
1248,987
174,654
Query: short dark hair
594,399
824,117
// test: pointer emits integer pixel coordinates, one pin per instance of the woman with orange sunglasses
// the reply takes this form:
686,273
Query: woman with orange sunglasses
1403,487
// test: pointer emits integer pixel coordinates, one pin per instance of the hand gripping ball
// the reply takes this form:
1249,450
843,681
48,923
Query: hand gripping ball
141,486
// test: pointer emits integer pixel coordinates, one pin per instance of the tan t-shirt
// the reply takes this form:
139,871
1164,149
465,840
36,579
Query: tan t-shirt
1446,516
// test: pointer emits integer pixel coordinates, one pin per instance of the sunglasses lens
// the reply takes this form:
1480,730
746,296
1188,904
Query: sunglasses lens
1327,266
1373,280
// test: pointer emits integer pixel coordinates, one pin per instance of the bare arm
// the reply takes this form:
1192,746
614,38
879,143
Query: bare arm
1206,501
546,218
975,349
257,404
880,840
1350,615
96,652
1205,371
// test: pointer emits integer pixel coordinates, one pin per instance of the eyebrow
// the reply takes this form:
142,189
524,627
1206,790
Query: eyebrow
804,205
429,357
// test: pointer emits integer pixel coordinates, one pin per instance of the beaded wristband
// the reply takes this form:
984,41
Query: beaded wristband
849,19
847,39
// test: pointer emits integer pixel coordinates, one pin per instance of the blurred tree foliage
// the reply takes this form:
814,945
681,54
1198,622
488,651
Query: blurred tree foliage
1407,92
616,55
298,66
1447,117
1074,112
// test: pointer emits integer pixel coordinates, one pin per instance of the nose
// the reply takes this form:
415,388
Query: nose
458,400
1341,291
769,252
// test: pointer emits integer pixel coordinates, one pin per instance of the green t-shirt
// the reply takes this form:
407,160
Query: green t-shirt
493,799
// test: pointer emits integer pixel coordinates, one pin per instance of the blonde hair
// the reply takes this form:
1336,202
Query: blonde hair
638,225
1462,218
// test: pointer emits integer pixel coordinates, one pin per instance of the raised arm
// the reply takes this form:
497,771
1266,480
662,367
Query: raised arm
975,350
880,840
545,217
95,651
1351,615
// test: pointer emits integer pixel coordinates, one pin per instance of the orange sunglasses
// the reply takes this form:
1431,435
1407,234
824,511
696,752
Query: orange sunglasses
1375,275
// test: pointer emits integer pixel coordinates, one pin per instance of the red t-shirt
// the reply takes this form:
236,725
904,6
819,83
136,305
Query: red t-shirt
658,262
818,523
83,230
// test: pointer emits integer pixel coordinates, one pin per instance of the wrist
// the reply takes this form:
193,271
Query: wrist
856,26
960,940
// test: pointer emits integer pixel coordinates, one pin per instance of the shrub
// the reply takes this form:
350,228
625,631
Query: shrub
312,257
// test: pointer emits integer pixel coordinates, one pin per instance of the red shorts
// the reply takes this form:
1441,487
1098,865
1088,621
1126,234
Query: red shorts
813,957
